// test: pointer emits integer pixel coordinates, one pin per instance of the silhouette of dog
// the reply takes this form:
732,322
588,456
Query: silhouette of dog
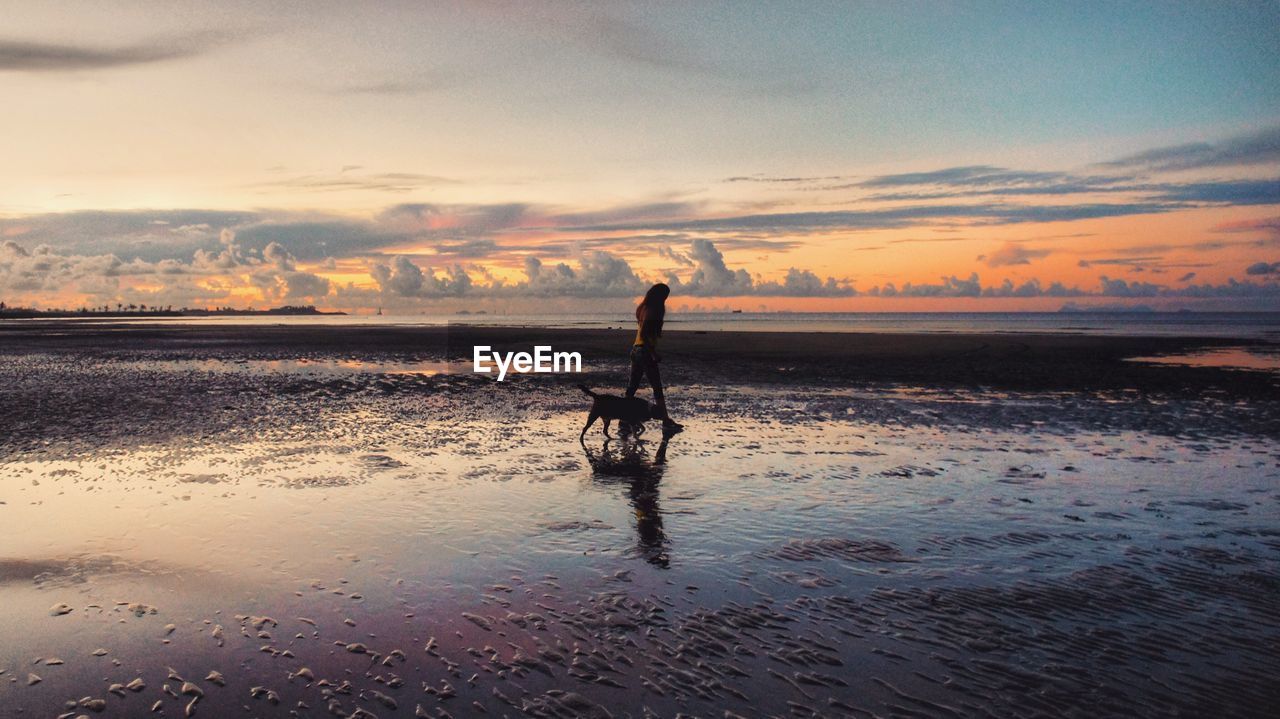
609,407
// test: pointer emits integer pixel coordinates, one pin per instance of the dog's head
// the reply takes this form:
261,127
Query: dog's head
655,412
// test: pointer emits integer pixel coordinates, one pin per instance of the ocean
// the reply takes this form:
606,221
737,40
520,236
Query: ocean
1242,325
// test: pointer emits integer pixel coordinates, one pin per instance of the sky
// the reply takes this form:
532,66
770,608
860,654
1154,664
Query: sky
518,157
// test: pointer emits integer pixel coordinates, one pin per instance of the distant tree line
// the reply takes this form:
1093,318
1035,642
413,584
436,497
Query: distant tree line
9,311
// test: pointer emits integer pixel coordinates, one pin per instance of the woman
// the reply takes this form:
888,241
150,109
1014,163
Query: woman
644,352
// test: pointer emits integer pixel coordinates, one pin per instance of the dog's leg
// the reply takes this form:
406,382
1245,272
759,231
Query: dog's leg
591,419
606,426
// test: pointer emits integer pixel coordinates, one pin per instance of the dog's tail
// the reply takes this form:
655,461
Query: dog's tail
584,388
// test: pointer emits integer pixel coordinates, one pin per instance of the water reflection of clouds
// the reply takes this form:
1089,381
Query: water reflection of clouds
627,464
1259,359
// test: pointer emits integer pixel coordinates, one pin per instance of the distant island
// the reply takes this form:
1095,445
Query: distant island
1113,308
131,311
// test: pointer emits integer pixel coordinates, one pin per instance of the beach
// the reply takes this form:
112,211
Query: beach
230,520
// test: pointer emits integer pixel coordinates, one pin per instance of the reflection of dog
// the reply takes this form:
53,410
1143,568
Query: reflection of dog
609,407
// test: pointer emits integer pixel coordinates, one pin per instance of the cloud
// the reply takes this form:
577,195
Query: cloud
482,247
1236,192
228,257
1013,253
434,81
27,56
1061,188
1135,260
679,258
314,239
12,248
972,287
1155,264
590,252
1239,192
454,220
463,231
1031,288
1261,224
276,255
949,287
1121,288
142,234
1231,288
1151,199
625,213
599,274
153,235
803,283
764,179
1254,148
405,279
965,176
1261,147
279,278
711,276
907,216
451,231
209,277
346,181
220,278
632,244
42,269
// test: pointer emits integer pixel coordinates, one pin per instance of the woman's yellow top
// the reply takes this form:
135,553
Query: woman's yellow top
641,340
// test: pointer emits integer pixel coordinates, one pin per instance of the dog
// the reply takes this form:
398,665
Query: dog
632,410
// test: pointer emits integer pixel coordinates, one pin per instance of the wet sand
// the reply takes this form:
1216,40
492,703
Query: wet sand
1004,361
277,522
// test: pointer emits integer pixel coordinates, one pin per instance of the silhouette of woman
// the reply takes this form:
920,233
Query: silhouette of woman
644,351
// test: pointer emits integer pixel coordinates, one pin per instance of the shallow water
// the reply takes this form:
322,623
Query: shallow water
795,552
1261,359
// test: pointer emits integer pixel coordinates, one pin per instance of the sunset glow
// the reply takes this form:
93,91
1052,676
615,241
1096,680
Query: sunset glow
870,157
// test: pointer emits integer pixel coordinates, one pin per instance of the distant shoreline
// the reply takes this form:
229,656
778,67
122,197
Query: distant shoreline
26,313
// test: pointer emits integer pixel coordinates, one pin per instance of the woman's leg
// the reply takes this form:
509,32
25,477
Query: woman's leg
638,356
655,381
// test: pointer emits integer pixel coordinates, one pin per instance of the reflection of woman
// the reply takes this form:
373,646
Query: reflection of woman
644,352
629,465
652,542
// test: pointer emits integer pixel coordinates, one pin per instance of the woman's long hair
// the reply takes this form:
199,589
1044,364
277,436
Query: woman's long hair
654,306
